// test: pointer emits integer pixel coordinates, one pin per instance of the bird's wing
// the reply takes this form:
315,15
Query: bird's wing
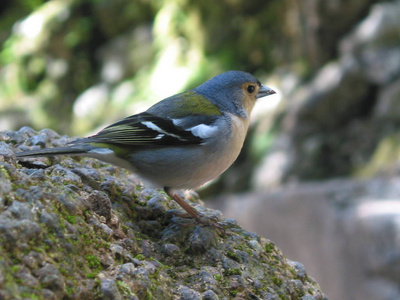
149,130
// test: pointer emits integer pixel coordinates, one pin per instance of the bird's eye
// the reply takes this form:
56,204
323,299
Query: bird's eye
251,89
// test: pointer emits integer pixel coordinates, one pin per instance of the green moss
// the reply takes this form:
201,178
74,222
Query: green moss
15,268
71,219
269,248
91,275
69,290
86,238
233,293
87,214
232,255
293,272
14,259
283,297
149,295
162,266
31,296
101,244
63,271
235,271
140,257
277,281
93,262
4,173
124,289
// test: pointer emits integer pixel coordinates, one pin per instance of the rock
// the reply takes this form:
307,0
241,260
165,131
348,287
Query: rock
50,278
374,42
187,293
6,150
110,290
65,236
19,233
202,238
388,108
100,204
39,140
209,295
171,250
333,123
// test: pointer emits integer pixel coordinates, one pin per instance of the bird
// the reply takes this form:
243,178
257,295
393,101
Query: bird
181,142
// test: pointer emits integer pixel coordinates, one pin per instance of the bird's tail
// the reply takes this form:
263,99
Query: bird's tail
68,150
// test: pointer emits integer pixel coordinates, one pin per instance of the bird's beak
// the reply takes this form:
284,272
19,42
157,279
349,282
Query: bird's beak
265,91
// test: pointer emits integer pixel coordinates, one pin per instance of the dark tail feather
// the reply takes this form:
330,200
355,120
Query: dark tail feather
70,150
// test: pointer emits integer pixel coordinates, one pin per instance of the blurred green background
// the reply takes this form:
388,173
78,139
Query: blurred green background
77,65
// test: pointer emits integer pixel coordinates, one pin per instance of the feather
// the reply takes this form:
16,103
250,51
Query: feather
146,130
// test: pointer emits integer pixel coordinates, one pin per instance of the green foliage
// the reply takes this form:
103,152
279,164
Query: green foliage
76,65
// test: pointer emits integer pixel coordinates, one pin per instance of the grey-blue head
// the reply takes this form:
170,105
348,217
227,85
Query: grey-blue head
234,91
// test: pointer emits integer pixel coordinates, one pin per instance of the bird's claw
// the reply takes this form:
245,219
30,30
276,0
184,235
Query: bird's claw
200,219
212,221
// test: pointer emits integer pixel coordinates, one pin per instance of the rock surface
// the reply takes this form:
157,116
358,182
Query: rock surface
76,228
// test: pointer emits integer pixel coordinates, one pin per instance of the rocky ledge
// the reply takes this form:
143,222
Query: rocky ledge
76,228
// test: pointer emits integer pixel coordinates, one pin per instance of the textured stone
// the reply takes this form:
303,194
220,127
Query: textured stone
76,232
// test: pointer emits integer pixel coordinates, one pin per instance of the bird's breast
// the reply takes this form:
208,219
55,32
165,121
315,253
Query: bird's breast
222,151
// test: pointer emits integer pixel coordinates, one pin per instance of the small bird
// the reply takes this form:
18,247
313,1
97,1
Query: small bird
180,142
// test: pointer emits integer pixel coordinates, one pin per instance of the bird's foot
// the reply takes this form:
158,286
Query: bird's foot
212,221
199,217
188,220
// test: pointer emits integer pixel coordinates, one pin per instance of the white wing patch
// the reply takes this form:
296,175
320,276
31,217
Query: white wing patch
162,132
204,131
153,126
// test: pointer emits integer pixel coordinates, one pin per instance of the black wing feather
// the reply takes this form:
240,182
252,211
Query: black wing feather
132,131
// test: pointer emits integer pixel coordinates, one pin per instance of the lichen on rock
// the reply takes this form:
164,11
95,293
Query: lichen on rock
77,228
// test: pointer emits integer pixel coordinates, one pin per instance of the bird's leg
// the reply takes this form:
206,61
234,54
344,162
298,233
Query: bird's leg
186,206
194,213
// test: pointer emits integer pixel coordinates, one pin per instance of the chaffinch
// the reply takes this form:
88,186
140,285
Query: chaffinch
180,142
